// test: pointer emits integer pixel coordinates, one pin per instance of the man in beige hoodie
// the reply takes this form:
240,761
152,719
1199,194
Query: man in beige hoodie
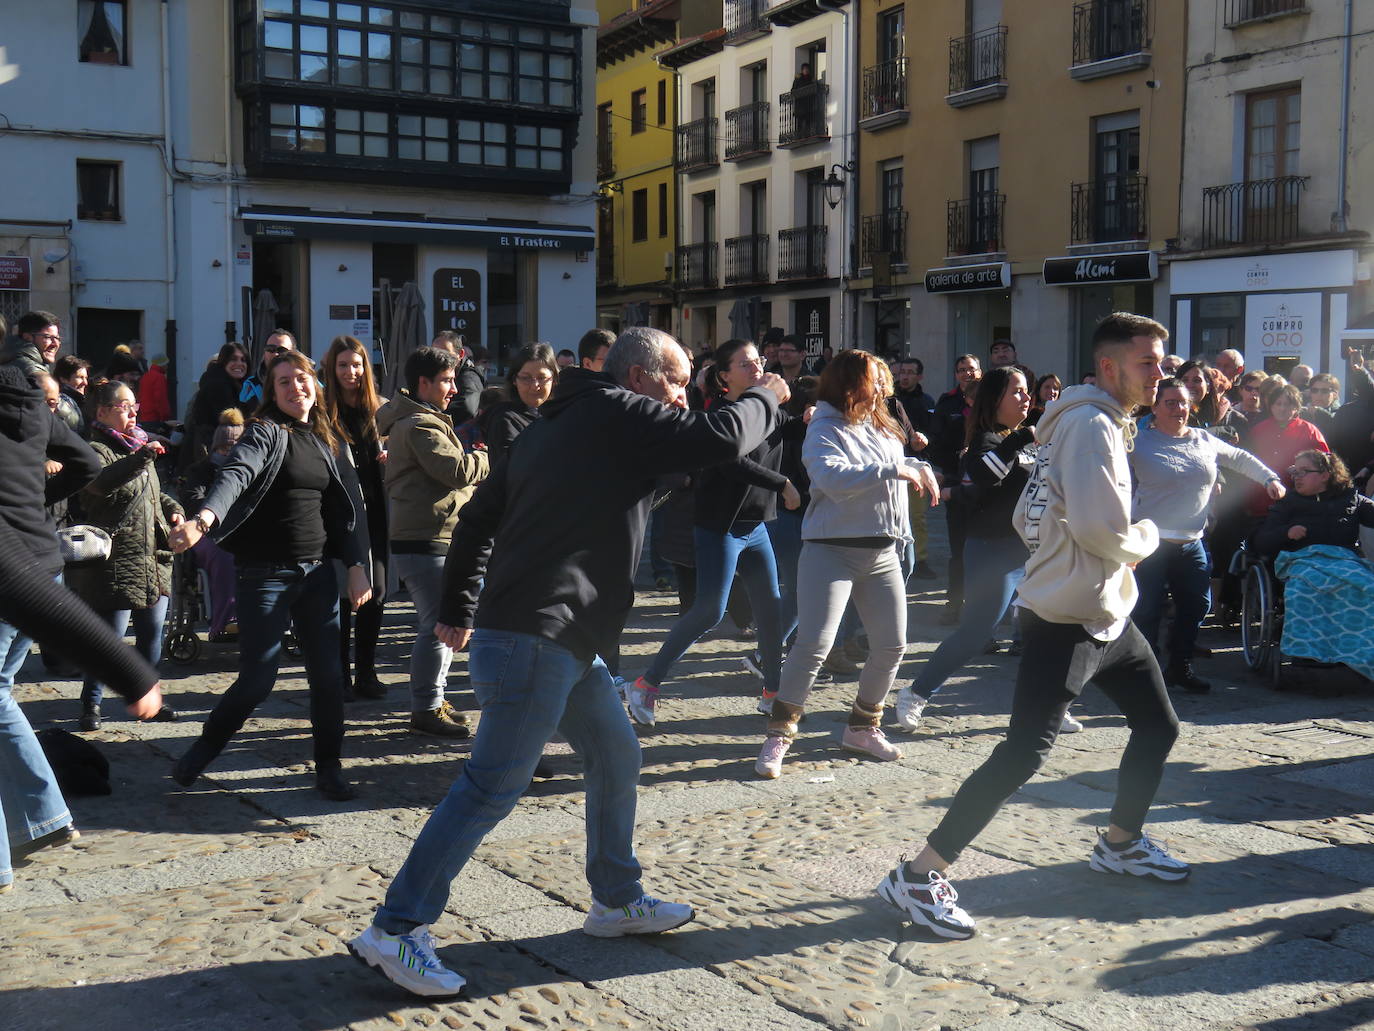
1076,602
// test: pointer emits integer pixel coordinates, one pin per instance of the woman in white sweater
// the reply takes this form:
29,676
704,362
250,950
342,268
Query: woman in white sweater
851,539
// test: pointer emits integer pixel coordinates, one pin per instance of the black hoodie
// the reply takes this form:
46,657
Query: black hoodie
30,434
562,520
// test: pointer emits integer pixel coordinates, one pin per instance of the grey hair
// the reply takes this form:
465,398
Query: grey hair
642,346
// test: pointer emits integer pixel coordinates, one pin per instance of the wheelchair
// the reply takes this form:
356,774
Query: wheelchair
1261,614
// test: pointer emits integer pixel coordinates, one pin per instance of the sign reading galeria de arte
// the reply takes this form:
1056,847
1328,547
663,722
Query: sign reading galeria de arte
1283,326
458,303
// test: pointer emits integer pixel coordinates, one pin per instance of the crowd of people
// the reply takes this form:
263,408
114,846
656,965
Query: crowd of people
791,493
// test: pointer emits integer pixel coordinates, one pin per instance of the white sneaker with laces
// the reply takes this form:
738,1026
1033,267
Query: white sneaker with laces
640,699
408,960
1143,857
910,705
930,905
645,915
753,664
1069,725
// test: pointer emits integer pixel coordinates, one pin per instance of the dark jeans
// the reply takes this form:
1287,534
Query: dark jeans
956,520
147,639
1183,570
271,599
1057,661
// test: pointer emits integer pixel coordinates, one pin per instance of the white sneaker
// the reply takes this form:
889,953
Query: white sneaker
765,705
753,664
1070,725
910,705
1141,858
640,699
408,960
930,905
645,915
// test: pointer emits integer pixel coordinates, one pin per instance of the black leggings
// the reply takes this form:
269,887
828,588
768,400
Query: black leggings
366,627
1057,661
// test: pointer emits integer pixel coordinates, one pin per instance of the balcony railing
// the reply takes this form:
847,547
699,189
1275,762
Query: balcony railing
1238,12
1255,212
696,145
745,19
975,225
605,160
746,259
884,90
1109,209
698,266
802,115
1104,29
801,253
746,131
978,60
884,233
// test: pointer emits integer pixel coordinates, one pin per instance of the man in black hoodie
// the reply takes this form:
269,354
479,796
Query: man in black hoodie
556,531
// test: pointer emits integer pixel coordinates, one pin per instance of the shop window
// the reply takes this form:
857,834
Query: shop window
97,191
102,31
639,215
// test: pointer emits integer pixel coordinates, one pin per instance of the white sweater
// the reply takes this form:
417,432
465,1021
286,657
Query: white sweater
1175,476
855,491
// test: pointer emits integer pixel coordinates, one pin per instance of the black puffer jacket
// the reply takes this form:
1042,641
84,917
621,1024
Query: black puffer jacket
127,501
1330,518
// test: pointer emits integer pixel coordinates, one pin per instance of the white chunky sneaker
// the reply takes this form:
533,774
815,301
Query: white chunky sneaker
645,915
1069,725
1140,858
931,905
640,698
408,960
910,705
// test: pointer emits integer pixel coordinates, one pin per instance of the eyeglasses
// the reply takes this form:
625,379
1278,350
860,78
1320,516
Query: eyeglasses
1294,471
744,363
276,350
50,336
531,381
125,406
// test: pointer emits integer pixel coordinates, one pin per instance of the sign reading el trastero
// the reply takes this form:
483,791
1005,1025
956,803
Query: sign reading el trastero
321,226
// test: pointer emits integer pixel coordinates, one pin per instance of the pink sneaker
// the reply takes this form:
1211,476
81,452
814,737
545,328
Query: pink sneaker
869,741
769,766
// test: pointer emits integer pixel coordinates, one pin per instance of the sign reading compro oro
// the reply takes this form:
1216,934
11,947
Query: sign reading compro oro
14,273
1084,270
996,276
1283,326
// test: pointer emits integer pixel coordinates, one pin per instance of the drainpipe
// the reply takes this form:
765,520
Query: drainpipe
1341,221
169,214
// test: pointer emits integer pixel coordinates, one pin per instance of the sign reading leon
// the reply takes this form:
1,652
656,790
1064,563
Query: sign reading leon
458,303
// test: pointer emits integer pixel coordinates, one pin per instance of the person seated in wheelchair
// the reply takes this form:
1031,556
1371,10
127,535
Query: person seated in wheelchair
1324,507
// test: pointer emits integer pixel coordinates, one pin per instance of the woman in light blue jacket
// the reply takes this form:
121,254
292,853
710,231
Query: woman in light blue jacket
851,544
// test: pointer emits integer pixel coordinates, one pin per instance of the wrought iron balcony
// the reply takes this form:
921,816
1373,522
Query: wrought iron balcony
1109,209
1256,212
884,92
978,66
746,131
884,233
745,20
746,259
1239,12
802,115
1113,31
974,226
696,145
698,266
801,253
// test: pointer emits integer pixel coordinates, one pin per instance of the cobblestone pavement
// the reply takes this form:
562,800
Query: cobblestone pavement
227,906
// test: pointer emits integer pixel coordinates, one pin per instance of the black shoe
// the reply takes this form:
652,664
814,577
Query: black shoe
166,715
1180,674
90,717
924,572
187,770
330,783
366,685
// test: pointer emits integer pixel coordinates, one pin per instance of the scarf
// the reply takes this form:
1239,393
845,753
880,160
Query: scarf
131,442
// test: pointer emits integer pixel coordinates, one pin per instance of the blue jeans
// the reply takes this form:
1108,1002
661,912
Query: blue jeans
1183,570
423,576
31,804
147,639
271,599
528,687
784,533
718,556
993,568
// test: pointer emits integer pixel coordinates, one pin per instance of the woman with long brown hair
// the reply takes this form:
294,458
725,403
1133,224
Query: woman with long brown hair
351,402
283,505
851,538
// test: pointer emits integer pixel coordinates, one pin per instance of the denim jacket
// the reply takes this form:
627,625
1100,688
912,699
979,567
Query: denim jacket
245,478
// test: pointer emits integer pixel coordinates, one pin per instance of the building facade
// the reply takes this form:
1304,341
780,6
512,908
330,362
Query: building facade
307,157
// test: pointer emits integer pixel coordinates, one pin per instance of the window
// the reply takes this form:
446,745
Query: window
297,128
1116,150
891,35
639,215
483,143
662,209
1272,124
662,101
361,133
639,110
890,185
539,147
102,31
97,191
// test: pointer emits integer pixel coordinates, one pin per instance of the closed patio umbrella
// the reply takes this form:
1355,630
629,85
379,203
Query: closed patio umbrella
264,321
409,330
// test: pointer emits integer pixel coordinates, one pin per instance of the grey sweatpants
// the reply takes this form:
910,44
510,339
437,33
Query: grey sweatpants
827,575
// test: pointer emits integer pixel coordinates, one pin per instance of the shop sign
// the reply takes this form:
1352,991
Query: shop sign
14,273
960,278
813,325
1084,270
1283,326
458,303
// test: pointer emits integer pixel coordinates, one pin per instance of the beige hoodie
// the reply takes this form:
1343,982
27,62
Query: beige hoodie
1075,515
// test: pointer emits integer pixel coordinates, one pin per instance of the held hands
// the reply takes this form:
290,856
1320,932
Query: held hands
455,637
149,705
1297,533
187,534
772,381
1275,490
790,498
359,587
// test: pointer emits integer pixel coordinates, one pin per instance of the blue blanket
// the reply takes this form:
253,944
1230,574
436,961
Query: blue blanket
1328,606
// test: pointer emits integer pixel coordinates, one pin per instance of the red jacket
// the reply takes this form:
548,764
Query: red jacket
153,403
1276,446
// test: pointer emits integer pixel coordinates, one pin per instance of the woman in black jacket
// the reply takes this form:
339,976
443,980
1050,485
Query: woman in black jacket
285,504
1322,508
533,372
219,388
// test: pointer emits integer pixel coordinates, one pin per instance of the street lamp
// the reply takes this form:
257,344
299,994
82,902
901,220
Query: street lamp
834,185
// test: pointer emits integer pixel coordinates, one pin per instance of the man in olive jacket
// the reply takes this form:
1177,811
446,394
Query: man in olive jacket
429,477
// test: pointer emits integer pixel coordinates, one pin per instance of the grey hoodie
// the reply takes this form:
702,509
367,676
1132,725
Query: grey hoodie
855,491
1075,515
